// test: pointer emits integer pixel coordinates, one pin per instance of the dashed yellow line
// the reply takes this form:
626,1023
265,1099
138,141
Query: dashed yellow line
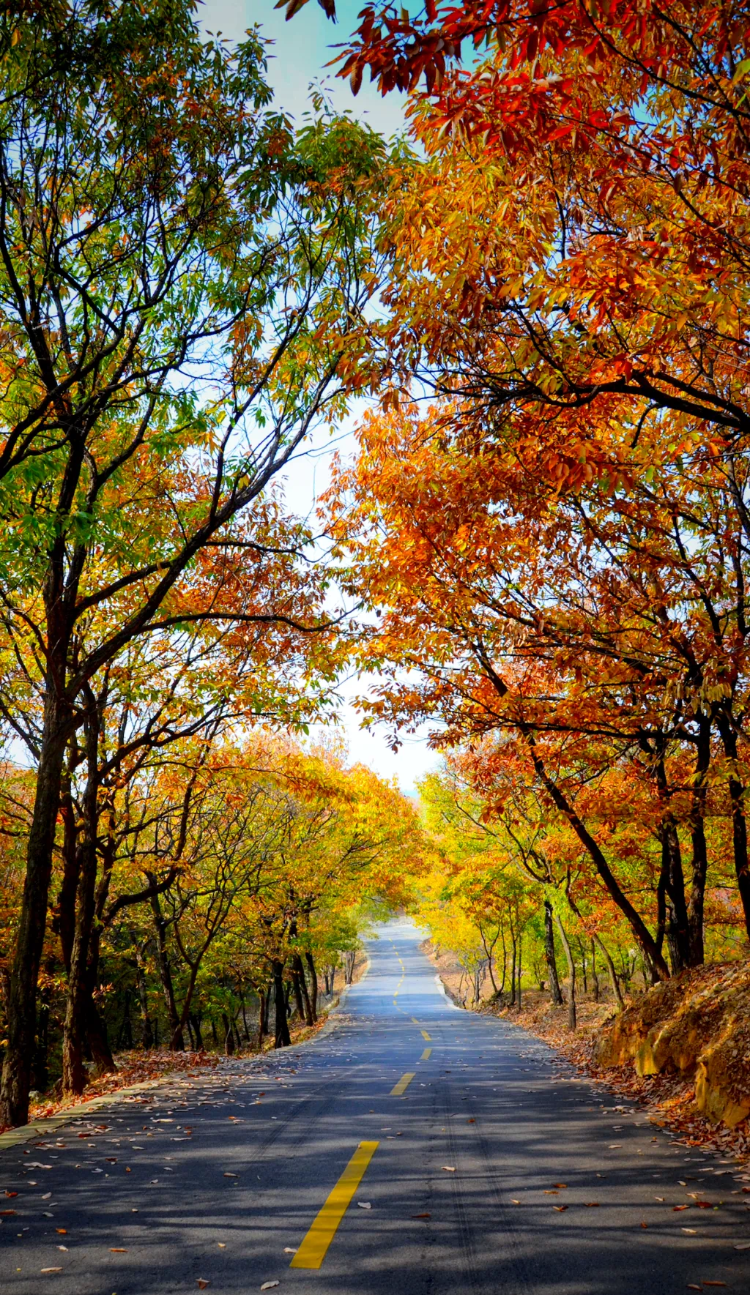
403,1084
426,1036
312,1252
426,1054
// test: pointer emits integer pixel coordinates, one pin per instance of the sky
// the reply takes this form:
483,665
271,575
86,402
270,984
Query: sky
301,49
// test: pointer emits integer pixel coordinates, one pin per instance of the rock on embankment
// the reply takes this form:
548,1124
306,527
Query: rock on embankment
698,1024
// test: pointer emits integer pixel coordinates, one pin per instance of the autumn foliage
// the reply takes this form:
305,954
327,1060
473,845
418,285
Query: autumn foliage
549,514
543,536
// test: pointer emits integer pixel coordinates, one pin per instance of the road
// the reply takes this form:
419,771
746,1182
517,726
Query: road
494,1169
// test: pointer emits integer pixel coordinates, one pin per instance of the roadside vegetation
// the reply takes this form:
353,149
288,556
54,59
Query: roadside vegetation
540,547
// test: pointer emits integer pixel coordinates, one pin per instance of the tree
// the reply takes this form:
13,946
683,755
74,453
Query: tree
594,626
179,278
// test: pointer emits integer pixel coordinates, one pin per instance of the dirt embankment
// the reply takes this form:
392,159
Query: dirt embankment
696,1025
682,1049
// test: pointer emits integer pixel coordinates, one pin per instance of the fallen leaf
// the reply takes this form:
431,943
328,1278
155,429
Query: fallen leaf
659,1198
117,1250
692,1287
289,1250
471,1121
704,1205
222,1245
62,1231
202,1283
6,1214
644,1225
690,1231
267,1286
676,1208
9,1194
714,1283
592,1205
514,1202
50,1270
615,1146
559,1208
449,1169
745,1245
550,1193
230,1175
421,1216
560,1185
364,1205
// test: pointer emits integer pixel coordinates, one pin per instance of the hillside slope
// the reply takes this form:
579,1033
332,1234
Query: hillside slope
696,1025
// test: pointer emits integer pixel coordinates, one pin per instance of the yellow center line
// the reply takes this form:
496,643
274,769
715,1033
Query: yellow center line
426,1036
403,1084
426,1054
312,1252
416,1022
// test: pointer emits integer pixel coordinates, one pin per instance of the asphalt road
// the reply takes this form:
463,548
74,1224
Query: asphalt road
496,1170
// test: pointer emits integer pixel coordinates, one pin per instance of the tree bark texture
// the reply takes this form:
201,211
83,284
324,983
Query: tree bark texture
16,1080
549,954
283,1038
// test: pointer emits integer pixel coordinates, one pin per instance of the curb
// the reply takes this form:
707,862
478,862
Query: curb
48,1123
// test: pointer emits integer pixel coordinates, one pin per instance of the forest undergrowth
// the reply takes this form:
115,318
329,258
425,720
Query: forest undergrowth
136,1066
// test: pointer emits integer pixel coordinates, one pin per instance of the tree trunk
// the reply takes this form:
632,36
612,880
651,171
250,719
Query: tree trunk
297,988
739,822
614,981
594,977
261,1018
303,986
283,1038
65,922
244,1018
549,953
96,1028
177,1042
520,966
698,844
572,1015
140,983
561,802
228,1035
40,1069
74,1075
313,985
677,919
349,959
16,1080
98,1040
